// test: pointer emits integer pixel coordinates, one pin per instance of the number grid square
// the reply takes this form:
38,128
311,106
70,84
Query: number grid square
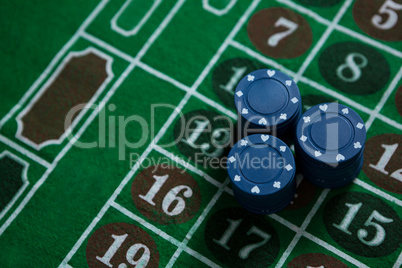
306,246
353,14
205,242
207,190
382,147
193,153
292,62
345,229
371,69
115,216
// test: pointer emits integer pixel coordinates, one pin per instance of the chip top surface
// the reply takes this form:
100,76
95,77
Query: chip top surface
261,164
331,133
267,97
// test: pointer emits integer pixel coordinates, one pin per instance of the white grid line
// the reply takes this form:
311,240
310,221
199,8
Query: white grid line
197,224
196,84
158,74
167,123
54,62
322,40
109,94
299,74
303,228
305,80
24,151
163,235
187,165
340,28
334,250
314,84
378,192
398,262
384,98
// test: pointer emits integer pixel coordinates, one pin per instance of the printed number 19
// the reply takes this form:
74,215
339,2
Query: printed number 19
131,252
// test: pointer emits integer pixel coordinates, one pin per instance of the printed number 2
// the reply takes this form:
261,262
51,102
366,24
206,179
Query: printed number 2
244,253
291,28
362,233
131,252
387,8
385,158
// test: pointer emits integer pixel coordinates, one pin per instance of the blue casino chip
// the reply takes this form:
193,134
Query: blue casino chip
262,169
329,145
269,100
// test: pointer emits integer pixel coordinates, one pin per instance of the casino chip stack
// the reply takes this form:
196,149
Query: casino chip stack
262,169
329,145
268,101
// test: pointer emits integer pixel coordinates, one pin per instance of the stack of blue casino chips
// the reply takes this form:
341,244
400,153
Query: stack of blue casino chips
329,145
262,169
269,102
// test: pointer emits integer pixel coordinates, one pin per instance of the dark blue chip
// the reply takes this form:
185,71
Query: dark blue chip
330,139
269,100
262,170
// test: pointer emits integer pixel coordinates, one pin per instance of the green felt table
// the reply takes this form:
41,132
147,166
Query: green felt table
115,116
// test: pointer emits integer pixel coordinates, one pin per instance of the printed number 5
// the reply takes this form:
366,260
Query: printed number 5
291,27
389,7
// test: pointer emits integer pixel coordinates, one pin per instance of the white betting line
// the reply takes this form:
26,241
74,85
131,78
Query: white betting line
370,41
145,224
398,262
334,250
214,104
378,192
164,128
384,98
197,224
389,121
93,115
187,165
185,88
54,62
157,73
305,11
261,58
226,43
303,79
126,179
341,28
335,95
302,229
95,40
156,230
24,151
322,40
